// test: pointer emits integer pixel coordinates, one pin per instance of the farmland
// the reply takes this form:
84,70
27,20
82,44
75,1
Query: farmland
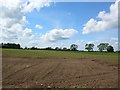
59,69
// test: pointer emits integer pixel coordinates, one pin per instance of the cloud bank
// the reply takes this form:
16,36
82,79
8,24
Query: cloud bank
107,20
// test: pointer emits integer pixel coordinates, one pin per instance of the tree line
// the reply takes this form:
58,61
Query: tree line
73,47
101,47
10,45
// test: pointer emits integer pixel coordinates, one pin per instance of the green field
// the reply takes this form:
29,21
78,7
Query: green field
107,56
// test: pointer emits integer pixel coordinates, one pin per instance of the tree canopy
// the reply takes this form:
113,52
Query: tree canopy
73,47
89,47
110,49
102,46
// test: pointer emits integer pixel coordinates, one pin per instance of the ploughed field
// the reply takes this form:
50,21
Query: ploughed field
58,69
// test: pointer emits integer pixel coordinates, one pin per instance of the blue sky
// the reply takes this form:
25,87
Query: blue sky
66,14
63,23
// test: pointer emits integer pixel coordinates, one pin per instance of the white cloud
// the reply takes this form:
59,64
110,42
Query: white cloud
114,38
27,32
81,44
10,13
58,34
38,26
10,4
114,42
30,5
107,20
34,43
13,19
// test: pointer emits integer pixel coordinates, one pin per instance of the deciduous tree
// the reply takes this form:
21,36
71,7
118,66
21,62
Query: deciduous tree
102,46
89,47
110,49
73,47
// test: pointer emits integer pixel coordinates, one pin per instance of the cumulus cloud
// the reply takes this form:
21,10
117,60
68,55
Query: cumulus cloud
34,43
114,42
27,32
38,26
10,13
81,44
13,19
107,20
58,34
30,5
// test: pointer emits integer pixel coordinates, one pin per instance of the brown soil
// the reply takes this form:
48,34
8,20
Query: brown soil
59,73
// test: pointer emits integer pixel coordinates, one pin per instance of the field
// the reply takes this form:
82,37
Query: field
59,69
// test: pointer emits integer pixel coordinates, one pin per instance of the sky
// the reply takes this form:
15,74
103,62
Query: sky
58,24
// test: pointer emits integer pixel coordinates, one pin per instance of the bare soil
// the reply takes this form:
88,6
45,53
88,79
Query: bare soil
26,72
